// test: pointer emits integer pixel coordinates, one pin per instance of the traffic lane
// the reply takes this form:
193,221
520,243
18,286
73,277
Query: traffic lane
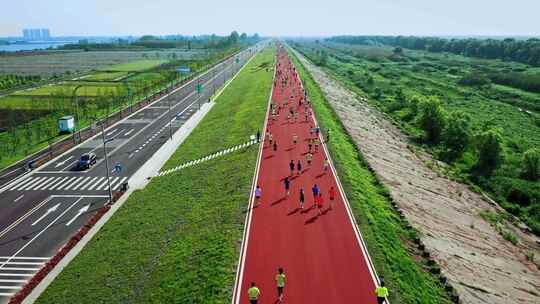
58,230
43,232
11,212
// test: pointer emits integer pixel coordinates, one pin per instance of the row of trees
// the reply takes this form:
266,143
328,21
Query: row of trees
9,81
525,51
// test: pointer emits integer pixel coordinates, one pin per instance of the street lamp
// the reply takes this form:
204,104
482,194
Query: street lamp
74,98
105,141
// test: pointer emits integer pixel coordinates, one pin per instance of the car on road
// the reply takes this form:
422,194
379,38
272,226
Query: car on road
86,161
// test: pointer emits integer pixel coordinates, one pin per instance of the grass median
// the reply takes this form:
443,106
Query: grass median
385,233
178,240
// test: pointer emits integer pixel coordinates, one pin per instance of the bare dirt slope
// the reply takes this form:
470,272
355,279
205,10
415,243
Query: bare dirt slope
480,264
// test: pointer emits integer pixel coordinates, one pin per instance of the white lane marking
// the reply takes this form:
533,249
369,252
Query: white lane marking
23,263
63,162
69,165
24,258
34,181
20,269
46,184
114,187
81,211
16,274
58,183
80,180
24,216
87,183
40,233
12,281
20,183
103,185
66,183
42,181
18,198
49,211
96,183
112,132
129,132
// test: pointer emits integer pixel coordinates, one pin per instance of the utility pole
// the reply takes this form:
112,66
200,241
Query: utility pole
170,119
106,161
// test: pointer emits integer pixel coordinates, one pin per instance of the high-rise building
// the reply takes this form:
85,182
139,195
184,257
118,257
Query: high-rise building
26,34
45,34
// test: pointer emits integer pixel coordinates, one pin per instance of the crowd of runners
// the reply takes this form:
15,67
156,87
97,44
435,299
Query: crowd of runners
295,105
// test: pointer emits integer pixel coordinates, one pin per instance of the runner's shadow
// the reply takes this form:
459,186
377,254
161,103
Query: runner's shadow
293,212
270,156
325,211
289,149
279,201
320,175
312,220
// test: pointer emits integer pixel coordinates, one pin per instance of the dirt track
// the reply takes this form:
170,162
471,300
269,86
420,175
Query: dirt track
480,264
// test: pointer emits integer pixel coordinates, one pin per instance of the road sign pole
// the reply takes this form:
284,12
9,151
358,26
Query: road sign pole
170,120
106,161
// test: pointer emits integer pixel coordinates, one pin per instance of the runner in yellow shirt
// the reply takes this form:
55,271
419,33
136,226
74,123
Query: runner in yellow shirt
280,282
382,293
253,294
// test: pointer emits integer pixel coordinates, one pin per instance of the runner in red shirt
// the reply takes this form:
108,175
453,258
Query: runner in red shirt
331,195
320,203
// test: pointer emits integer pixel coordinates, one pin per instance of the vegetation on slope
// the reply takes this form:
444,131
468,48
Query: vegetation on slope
177,241
384,231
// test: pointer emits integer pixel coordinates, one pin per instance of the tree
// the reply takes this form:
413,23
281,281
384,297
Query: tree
432,118
398,50
234,37
531,164
457,133
490,151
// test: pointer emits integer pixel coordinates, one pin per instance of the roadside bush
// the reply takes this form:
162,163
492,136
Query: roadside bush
531,164
489,144
457,134
432,119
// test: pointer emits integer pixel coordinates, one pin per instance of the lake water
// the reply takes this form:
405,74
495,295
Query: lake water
29,46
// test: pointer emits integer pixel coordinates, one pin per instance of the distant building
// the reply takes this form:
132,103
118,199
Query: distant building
36,34
45,34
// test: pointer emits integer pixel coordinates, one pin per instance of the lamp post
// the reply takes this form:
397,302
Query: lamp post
105,141
74,98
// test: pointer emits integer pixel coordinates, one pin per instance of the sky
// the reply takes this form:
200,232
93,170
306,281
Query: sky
272,18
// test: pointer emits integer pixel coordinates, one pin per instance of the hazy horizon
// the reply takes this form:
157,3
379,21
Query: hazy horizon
301,18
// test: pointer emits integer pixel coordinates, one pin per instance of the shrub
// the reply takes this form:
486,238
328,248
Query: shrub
432,118
490,151
474,79
457,133
531,164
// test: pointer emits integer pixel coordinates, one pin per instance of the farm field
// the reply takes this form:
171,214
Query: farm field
398,83
110,76
136,66
185,246
59,62
388,239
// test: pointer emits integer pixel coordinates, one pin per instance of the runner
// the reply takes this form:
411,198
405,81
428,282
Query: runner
310,144
316,141
309,157
381,292
280,282
320,203
270,138
295,139
291,166
302,198
326,164
258,194
254,293
275,146
299,167
315,191
332,195
287,184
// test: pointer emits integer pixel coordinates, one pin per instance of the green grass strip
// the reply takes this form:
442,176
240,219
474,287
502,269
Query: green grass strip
384,232
178,240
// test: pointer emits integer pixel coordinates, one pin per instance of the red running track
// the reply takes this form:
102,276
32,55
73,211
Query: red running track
322,255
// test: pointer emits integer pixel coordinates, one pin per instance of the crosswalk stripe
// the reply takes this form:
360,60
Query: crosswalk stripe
21,183
58,183
11,287
88,182
118,184
96,183
12,281
42,181
48,183
31,184
64,183
103,185
22,263
19,269
16,274
71,183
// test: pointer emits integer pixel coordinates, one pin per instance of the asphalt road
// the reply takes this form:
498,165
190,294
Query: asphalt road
40,211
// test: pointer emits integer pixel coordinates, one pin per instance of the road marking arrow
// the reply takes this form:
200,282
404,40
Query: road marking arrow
49,211
63,162
81,211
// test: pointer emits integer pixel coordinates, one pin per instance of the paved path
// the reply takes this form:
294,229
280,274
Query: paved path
321,254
